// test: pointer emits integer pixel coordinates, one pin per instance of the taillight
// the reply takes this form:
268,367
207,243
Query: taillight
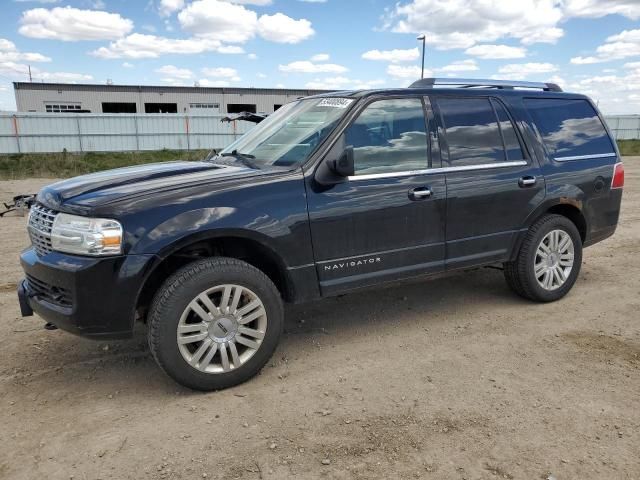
618,176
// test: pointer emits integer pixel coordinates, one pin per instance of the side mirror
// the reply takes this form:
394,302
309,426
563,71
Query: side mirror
344,165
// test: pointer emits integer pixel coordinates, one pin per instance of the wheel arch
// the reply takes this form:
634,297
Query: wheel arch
250,247
571,209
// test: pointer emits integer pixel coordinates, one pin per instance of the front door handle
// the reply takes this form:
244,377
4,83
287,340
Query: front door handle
420,193
528,181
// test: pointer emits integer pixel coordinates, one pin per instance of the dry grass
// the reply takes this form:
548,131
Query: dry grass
62,165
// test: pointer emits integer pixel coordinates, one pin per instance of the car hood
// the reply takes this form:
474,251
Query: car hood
86,192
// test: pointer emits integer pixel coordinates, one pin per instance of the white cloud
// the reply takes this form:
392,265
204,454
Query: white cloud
232,23
305,66
171,71
205,82
623,45
557,80
37,1
460,66
221,72
261,75
313,1
616,94
393,56
128,65
231,49
320,57
252,56
219,20
463,23
408,71
601,8
587,60
20,72
138,45
343,83
252,2
167,7
62,77
521,70
72,24
489,52
283,29
10,53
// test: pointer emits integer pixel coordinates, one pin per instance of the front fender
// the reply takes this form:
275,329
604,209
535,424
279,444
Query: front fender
209,223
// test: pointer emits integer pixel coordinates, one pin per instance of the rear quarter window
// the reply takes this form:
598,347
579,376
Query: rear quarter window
569,128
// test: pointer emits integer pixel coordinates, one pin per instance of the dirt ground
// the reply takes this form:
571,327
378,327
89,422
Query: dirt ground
450,379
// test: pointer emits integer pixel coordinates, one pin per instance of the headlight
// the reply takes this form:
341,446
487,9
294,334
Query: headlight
86,236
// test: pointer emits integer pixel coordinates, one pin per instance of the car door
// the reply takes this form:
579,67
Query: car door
492,183
387,220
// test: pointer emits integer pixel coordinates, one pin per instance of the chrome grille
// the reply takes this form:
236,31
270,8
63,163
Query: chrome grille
40,224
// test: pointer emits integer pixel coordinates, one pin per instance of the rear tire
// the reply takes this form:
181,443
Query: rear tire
215,323
548,262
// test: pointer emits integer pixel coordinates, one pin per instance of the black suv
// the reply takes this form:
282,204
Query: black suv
329,194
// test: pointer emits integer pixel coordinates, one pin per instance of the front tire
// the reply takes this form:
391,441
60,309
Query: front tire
215,323
548,262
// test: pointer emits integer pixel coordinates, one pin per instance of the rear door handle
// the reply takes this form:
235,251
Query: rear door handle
420,193
528,181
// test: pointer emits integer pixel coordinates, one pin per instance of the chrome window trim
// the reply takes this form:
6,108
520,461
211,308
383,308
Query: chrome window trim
585,157
428,171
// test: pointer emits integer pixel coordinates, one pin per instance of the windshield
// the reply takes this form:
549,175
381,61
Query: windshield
290,135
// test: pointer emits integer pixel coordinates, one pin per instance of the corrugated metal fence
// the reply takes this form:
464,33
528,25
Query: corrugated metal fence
42,132
54,132
624,127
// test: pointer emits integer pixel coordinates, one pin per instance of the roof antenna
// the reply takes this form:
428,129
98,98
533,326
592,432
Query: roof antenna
30,77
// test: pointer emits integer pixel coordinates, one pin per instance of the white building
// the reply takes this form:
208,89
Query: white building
85,98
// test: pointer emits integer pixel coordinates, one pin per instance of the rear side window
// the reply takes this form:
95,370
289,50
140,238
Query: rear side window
569,128
511,143
472,131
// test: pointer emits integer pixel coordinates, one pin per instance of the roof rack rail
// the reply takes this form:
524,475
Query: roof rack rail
472,82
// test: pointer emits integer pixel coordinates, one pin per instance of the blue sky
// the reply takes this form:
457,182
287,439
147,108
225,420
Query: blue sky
590,46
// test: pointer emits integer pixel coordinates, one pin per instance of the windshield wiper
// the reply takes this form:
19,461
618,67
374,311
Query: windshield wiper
244,158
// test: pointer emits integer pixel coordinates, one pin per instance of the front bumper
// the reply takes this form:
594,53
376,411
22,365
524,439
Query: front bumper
90,297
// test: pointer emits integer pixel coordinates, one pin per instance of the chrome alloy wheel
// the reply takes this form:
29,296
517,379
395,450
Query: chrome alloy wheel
554,259
222,328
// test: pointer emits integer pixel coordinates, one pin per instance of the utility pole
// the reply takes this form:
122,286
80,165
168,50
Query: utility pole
423,38
30,77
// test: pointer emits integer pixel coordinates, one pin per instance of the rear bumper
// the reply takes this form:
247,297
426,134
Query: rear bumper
90,297
603,213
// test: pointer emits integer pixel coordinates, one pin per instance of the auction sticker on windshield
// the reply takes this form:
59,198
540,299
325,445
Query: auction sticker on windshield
335,102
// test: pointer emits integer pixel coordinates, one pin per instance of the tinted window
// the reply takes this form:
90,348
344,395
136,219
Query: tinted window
472,131
569,127
389,136
511,142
